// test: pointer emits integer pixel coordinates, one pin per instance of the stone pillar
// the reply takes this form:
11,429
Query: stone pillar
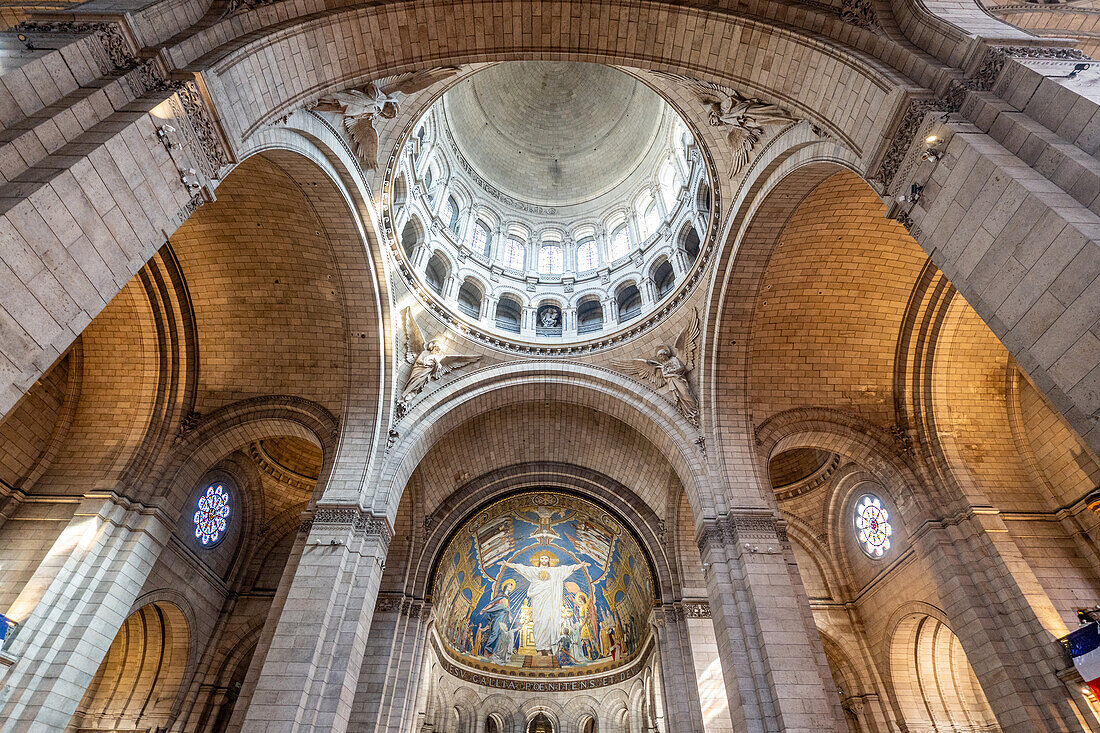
677,671
569,321
773,664
77,600
610,311
527,322
1004,621
309,678
450,287
648,291
420,258
489,309
680,262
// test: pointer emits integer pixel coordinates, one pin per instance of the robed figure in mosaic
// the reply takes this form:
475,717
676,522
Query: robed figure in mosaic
545,592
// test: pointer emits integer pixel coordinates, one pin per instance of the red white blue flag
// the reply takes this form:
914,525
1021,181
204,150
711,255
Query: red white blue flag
1084,647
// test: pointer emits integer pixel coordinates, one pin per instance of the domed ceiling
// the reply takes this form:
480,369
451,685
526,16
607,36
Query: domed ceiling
543,584
553,133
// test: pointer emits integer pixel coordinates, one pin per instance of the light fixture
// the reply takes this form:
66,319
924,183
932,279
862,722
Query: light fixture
914,195
23,39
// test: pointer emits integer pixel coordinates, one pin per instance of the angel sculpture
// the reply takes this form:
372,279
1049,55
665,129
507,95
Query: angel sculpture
377,100
427,359
745,119
669,369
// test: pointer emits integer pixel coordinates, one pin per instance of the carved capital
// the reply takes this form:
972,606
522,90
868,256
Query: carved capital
696,609
361,523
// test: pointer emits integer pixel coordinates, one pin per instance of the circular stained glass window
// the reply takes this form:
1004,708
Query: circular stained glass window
873,526
212,514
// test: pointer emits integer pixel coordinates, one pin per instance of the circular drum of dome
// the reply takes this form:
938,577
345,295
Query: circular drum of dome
535,189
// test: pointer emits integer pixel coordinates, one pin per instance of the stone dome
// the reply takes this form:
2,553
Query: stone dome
550,203
553,133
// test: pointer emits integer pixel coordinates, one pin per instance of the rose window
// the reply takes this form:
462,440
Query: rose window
212,514
873,525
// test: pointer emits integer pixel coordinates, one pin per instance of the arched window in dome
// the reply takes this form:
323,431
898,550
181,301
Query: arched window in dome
620,242
551,261
664,278
509,314
429,191
649,219
212,512
666,181
589,315
479,238
437,272
873,526
469,298
513,254
629,302
588,255
450,214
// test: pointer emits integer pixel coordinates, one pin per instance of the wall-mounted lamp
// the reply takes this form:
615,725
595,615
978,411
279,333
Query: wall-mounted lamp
190,178
1077,69
163,133
914,195
932,149
23,39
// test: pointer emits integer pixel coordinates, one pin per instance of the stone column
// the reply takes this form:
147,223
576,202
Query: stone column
450,287
773,664
309,678
1004,620
680,262
569,321
610,311
677,672
77,600
527,321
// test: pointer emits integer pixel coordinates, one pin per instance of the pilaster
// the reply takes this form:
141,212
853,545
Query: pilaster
772,660
309,678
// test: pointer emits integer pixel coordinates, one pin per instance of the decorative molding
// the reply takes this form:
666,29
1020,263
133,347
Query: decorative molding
199,129
362,523
860,13
743,529
983,80
118,53
696,609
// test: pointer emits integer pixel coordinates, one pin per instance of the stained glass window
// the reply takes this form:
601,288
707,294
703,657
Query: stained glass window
587,256
212,514
873,526
513,254
480,238
550,259
620,242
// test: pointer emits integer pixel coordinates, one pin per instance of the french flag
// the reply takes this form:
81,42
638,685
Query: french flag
1084,647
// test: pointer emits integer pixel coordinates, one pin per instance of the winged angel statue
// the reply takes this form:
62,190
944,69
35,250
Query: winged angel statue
379,99
743,118
669,368
427,359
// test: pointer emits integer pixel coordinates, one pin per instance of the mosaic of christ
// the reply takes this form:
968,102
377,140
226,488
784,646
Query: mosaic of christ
543,581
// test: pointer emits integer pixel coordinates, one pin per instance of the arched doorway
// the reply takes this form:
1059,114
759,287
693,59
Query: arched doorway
540,724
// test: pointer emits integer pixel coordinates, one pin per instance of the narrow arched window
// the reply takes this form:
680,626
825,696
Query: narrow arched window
513,254
651,220
450,214
666,181
620,242
588,255
479,238
550,259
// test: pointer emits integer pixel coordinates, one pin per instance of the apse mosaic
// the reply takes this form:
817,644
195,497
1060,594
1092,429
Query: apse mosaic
543,582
